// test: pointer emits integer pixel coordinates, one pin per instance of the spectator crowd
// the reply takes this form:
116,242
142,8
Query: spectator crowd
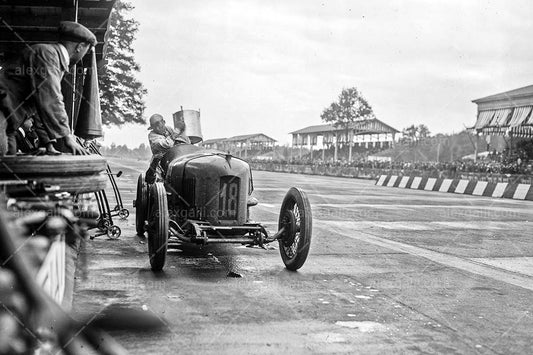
494,163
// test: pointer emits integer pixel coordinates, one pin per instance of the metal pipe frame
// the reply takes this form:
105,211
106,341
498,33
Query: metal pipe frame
202,238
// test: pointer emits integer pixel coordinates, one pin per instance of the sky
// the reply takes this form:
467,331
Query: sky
271,67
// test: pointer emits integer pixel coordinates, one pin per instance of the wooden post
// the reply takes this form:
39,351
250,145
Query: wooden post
68,85
311,146
475,149
290,153
300,142
349,136
336,147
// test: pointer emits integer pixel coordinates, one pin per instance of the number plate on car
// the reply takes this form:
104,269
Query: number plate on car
228,198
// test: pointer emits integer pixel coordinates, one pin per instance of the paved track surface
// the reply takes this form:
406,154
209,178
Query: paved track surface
390,271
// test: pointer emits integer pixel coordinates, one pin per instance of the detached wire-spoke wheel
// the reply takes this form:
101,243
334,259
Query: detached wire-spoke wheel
114,232
141,205
103,223
123,213
296,219
158,221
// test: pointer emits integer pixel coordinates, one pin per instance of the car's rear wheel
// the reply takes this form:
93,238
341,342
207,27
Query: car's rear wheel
158,226
295,216
141,203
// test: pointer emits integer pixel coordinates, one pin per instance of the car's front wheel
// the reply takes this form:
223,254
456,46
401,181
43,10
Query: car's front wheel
295,217
141,202
157,226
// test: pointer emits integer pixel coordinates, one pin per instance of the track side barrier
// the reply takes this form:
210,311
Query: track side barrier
518,187
511,190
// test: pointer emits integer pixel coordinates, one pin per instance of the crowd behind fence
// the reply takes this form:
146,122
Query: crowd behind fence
486,170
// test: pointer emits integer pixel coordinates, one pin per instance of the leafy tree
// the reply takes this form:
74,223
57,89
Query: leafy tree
415,133
141,152
350,107
409,133
121,93
423,131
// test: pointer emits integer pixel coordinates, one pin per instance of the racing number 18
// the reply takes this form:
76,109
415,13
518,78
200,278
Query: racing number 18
229,198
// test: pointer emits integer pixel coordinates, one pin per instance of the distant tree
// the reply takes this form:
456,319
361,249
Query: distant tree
415,133
350,107
121,93
409,133
423,131
141,152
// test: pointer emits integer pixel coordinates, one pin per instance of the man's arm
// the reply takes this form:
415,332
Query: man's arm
178,137
159,143
46,81
174,134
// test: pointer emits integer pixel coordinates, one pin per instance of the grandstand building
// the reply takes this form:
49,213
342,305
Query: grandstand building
363,135
243,145
215,143
508,113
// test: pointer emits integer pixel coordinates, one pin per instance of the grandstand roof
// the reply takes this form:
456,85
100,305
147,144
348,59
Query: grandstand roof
36,21
250,137
506,113
526,91
214,140
255,137
315,129
371,126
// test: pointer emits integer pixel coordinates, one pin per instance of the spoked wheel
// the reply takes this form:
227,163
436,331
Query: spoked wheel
114,232
157,226
123,213
103,223
295,217
141,205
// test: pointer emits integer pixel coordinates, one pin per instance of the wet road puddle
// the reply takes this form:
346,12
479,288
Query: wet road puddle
174,298
213,258
362,297
234,275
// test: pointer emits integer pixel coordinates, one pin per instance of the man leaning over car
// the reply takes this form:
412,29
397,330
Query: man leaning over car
33,81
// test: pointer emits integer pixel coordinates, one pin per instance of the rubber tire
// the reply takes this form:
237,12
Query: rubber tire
113,232
141,205
123,214
297,197
158,226
73,184
60,165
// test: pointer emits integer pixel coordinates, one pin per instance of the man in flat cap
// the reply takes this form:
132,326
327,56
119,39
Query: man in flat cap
33,84
161,139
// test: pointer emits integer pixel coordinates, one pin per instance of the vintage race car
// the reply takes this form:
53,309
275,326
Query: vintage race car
206,198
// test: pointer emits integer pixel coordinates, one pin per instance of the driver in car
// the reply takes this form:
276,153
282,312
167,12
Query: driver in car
161,139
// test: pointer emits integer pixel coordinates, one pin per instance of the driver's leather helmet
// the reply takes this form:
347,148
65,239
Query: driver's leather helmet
154,119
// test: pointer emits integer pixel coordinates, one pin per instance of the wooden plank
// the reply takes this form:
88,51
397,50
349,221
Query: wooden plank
96,4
